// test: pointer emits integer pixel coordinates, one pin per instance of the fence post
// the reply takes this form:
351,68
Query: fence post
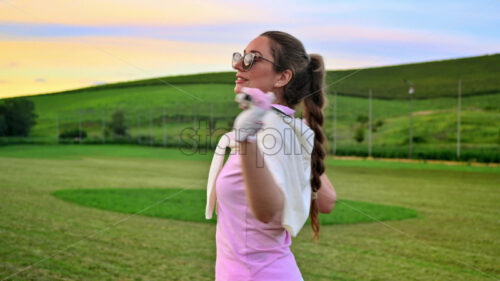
179,125
57,127
151,126
332,109
164,128
335,123
139,126
80,125
458,121
195,131
212,124
103,126
411,125
370,126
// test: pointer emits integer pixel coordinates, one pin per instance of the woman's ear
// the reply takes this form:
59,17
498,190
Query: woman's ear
284,78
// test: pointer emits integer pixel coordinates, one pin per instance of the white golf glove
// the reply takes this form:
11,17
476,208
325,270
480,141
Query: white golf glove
256,103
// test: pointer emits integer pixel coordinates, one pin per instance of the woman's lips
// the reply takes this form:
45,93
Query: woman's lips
240,81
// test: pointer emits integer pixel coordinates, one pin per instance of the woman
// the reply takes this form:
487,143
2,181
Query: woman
258,206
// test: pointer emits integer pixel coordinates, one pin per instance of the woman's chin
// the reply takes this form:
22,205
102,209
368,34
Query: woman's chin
238,88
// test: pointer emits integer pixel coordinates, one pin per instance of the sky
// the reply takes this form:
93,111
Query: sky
54,45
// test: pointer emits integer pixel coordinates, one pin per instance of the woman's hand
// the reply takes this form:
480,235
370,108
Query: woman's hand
256,103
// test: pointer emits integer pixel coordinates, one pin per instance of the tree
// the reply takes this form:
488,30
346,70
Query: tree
73,133
17,117
362,119
3,124
377,124
359,134
117,124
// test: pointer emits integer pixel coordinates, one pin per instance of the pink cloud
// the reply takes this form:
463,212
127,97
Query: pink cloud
364,34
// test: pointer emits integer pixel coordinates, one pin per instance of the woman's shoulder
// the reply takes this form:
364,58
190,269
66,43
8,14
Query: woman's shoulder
280,131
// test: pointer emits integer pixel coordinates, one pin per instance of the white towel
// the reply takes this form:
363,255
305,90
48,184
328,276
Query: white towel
286,144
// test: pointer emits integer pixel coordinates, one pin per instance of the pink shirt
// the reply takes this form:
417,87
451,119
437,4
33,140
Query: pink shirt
248,249
285,109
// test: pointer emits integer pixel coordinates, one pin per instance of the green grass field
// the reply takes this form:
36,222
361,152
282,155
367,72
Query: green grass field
454,236
171,203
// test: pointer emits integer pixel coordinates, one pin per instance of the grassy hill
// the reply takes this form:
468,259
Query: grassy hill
479,75
192,100
433,79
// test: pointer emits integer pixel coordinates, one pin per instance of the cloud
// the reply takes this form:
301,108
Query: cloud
394,38
352,36
88,42
11,64
228,33
118,12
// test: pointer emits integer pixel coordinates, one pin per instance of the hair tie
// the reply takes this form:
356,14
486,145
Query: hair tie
314,195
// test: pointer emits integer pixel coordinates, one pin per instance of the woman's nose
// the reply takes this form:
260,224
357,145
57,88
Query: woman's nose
239,65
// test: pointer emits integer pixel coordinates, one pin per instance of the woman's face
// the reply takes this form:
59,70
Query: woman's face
262,74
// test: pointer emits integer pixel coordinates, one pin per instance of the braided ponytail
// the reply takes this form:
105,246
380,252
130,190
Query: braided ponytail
307,85
313,107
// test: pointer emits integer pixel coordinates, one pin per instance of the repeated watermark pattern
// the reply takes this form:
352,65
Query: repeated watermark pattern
189,136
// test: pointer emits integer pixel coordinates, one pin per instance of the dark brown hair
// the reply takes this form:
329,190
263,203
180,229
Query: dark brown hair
307,85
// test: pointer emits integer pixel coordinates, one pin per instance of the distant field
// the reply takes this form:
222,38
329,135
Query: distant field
434,120
190,101
79,152
453,238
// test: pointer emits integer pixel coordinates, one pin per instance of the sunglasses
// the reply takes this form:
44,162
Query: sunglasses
248,60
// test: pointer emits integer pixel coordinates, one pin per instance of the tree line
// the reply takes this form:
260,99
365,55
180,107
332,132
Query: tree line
17,117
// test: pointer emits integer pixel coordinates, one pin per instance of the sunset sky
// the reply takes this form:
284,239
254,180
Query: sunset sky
53,45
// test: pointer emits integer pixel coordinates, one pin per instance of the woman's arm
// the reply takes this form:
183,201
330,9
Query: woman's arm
264,195
326,195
